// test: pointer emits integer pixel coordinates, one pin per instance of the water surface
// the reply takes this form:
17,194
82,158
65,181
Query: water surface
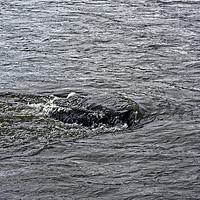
147,51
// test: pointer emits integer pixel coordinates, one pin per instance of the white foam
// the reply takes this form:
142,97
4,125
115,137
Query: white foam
71,94
49,106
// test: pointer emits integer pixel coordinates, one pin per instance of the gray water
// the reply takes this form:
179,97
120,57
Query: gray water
148,51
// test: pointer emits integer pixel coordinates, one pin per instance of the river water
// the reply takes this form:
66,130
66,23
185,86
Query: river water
148,51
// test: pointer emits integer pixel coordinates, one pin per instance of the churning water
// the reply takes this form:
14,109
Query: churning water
147,51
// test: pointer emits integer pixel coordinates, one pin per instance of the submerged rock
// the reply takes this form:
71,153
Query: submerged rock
93,111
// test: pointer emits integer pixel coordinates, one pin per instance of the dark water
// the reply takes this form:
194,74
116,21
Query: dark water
148,51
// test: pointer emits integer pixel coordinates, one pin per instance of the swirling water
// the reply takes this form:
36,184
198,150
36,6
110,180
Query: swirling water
147,51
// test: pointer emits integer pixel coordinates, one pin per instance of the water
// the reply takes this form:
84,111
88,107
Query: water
147,51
